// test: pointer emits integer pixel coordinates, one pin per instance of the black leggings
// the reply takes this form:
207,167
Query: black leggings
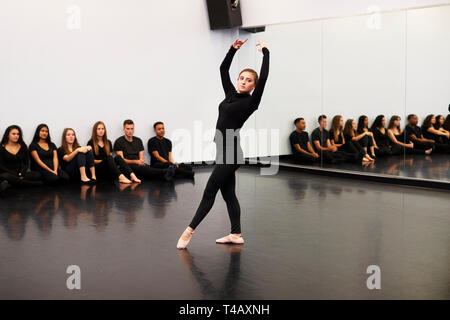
182,171
383,150
79,161
50,178
113,167
147,172
30,179
305,158
223,177
399,150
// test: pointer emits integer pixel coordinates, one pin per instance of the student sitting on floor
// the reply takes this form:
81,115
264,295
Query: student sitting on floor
131,149
300,145
160,150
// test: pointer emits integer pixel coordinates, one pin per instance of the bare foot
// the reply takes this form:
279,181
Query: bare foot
134,178
123,179
429,151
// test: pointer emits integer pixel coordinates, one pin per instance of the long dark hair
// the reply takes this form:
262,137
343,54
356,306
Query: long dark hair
427,122
36,137
5,138
361,126
437,126
377,122
447,123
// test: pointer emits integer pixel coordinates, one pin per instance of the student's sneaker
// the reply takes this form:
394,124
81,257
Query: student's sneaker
231,238
170,173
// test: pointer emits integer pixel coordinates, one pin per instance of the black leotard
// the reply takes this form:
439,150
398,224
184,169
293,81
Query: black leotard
236,108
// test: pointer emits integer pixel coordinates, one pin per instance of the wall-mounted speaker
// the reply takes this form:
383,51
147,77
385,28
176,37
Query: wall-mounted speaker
224,14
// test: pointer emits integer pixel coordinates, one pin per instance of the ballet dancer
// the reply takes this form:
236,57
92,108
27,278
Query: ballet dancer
234,110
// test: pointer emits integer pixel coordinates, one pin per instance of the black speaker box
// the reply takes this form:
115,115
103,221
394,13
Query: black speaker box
224,14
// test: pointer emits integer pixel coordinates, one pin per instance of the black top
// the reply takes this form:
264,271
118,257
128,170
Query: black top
46,156
130,149
321,136
381,139
409,130
348,138
163,146
400,138
300,138
101,150
430,135
61,154
339,138
236,108
14,163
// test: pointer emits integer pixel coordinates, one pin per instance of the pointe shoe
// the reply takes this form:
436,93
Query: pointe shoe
182,244
231,238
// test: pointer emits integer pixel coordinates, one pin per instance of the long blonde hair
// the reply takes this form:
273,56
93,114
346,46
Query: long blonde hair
95,140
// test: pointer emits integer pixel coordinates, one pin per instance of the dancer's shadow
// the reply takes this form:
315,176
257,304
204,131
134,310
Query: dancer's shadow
230,284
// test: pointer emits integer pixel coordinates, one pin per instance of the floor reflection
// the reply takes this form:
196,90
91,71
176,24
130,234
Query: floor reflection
307,237
435,167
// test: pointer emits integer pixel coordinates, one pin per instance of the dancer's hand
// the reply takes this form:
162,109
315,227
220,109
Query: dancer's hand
262,45
237,44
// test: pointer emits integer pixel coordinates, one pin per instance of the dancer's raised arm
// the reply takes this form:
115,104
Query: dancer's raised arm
225,66
264,73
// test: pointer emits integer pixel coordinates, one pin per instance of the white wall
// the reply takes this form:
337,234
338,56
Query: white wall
265,12
144,60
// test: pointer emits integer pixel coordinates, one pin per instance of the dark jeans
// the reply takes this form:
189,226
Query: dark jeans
222,178
80,160
113,168
30,179
182,171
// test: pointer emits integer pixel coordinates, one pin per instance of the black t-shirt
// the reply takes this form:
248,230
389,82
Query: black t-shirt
14,163
300,138
101,150
339,137
412,130
46,156
61,154
381,139
130,149
321,136
163,146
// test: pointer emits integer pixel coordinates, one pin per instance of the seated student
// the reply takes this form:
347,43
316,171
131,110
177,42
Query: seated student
368,144
131,149
446,124
322,145
74,158
348,148
300,145
45,157
160,150
439,125
14,160
399,143
413,134
105,163
440,138
351,136
378,129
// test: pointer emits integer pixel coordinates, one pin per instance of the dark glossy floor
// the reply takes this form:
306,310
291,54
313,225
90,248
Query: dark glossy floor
307,237
434,167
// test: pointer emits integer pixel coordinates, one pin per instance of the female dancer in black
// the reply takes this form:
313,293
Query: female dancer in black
234,110
398,139
15,161
383,145
45,157
369,144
